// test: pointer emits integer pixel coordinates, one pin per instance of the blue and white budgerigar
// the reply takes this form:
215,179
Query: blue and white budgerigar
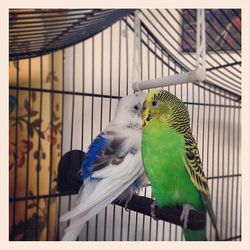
112,168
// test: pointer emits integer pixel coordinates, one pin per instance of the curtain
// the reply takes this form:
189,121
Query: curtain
35,120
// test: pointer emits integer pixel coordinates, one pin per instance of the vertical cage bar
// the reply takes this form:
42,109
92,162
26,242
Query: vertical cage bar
228,167
218,160
192,111
110,107
162,74
16,153
223,168
62,140
51,145
168,88
72,117
155,75
213,160
237,182
38,167
148,43
127,71
203,130
143,216
102,88
175,226
83,97
114,207
27,165
119,94
113,223
233,173
208,151
198,116
83,91
92,109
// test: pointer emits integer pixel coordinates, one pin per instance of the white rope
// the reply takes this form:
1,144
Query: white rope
201,40
136,75
197,75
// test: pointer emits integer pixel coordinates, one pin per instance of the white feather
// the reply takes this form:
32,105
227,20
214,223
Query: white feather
108,183
116,179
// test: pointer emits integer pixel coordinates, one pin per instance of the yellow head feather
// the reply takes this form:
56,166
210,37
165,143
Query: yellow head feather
165,109
147,104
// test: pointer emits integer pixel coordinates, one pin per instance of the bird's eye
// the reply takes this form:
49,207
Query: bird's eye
136,107
155,103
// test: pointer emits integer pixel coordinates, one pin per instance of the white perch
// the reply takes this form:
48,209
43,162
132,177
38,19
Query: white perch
197,75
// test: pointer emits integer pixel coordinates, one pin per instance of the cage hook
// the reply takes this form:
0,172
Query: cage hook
196,75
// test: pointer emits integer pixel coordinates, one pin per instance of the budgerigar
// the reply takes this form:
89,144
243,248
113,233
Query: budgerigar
171,159
112,168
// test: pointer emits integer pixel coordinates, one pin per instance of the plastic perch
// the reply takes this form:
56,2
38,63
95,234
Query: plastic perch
70,180
197,75
141,204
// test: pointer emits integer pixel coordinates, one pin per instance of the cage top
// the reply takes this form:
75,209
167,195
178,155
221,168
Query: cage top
35,32
168,33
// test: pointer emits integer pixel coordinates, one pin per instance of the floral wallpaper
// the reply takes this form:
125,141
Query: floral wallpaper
35,128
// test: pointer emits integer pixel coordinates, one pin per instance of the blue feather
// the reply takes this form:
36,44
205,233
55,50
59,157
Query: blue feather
96,147
137,183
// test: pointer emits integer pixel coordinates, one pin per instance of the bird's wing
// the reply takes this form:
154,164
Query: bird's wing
116,166
109,149
105,190
193,166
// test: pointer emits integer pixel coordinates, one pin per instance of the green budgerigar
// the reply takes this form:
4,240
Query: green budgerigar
171,159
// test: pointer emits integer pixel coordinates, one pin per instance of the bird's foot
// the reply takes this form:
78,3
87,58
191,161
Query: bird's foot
153,207
126,205
128,200
185,214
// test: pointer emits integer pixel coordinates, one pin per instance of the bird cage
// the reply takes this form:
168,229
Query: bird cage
69,67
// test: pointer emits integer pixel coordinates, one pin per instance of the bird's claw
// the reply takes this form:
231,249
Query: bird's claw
128,200
126,205
185,214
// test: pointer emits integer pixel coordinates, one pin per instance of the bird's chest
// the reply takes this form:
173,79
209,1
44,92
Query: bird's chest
164,149
164,161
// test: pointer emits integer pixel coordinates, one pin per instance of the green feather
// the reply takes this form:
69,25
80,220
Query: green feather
163,158
194,235
171,157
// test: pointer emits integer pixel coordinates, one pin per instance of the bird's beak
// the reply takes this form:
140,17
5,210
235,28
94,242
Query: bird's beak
141,109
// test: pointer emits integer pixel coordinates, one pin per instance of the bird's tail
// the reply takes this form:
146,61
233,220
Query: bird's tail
194,235
71,235
97,197
100,191
209,208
